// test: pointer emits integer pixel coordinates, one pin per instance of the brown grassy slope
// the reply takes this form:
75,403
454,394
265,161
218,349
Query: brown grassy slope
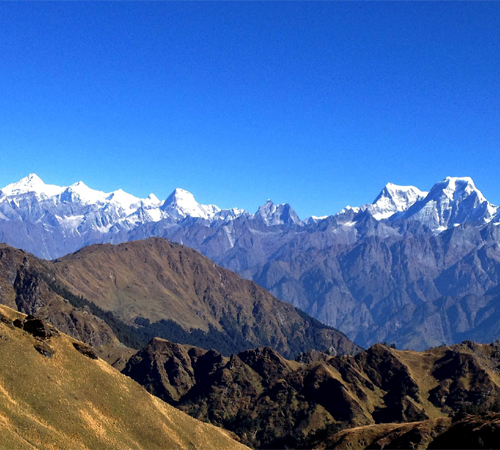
467,432
156,279
417,435
23,286
72,401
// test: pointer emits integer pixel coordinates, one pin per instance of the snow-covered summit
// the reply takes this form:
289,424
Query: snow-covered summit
152,200
348,208
32,183
456,188
393,199
314,219
80,192
181,204
123,200
452,201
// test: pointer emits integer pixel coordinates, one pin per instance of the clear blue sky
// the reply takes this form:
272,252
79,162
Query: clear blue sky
318,104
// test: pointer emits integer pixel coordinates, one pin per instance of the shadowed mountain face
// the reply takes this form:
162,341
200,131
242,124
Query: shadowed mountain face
132,292
56,393
271,402
415,268
27,285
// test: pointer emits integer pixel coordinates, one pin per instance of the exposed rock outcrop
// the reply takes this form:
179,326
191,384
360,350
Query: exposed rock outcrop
271,402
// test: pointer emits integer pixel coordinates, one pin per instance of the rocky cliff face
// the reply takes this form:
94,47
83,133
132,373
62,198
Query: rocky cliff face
271,402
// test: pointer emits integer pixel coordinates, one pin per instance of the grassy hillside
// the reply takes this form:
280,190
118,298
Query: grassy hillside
69,400
174,292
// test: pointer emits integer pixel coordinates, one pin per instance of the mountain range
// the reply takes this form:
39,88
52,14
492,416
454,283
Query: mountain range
414,268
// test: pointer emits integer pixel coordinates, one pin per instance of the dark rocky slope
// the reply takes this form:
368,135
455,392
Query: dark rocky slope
271,402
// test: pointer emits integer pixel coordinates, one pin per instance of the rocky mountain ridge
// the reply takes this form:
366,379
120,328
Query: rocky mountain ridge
271,402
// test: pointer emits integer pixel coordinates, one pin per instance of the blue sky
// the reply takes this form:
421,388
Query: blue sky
318,104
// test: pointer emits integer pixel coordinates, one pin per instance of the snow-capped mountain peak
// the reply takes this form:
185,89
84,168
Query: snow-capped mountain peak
347,209
393,199
181,204
456,188
152,199
267,208
123,200
31,183
122,197
181,196
80,192
315,219
452,201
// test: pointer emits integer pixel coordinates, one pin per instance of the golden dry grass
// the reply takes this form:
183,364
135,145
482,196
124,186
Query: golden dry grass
382,435
71,401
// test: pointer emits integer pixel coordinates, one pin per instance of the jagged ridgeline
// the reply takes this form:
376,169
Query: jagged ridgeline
415,268
135,291
271,402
